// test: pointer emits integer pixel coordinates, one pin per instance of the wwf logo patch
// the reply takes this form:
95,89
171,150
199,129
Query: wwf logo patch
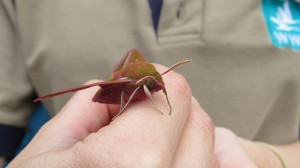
283,22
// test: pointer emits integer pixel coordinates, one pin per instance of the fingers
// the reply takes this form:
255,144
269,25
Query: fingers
79,117
47,160
229,152
150,137
82,115
197,143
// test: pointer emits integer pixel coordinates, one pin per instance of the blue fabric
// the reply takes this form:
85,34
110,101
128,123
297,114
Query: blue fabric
10,140
37,119
155,6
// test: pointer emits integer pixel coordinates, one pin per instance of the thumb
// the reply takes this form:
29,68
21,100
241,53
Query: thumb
81,116
78,118
229,152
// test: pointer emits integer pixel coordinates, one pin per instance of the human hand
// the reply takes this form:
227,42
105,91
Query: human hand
234,152
2,160
229,152
82,134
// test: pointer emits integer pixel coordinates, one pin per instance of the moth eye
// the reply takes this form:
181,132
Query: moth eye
150,84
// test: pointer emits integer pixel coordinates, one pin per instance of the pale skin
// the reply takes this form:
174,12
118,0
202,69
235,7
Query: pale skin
79,136
1,161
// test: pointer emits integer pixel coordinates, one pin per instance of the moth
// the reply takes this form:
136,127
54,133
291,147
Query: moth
132,79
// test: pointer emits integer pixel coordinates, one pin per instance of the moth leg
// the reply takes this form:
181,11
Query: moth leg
165,92
146,90
128,102
122,101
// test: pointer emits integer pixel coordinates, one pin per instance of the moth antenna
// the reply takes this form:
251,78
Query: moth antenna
146,90
175,65
142,80
128,102
165,92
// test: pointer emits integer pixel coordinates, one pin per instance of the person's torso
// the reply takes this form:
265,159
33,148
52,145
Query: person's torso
239,77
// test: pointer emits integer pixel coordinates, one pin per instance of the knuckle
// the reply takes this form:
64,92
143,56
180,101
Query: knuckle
225,132
181,85
84,156
202,120
208,125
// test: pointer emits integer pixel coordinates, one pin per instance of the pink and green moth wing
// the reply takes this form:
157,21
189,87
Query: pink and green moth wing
100,84
133,55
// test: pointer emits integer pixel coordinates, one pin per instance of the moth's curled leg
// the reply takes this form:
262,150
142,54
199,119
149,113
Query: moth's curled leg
148,93
122,103
165,92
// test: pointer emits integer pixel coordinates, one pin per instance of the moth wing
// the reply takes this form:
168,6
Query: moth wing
133,55
110,94
101,84
113,94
